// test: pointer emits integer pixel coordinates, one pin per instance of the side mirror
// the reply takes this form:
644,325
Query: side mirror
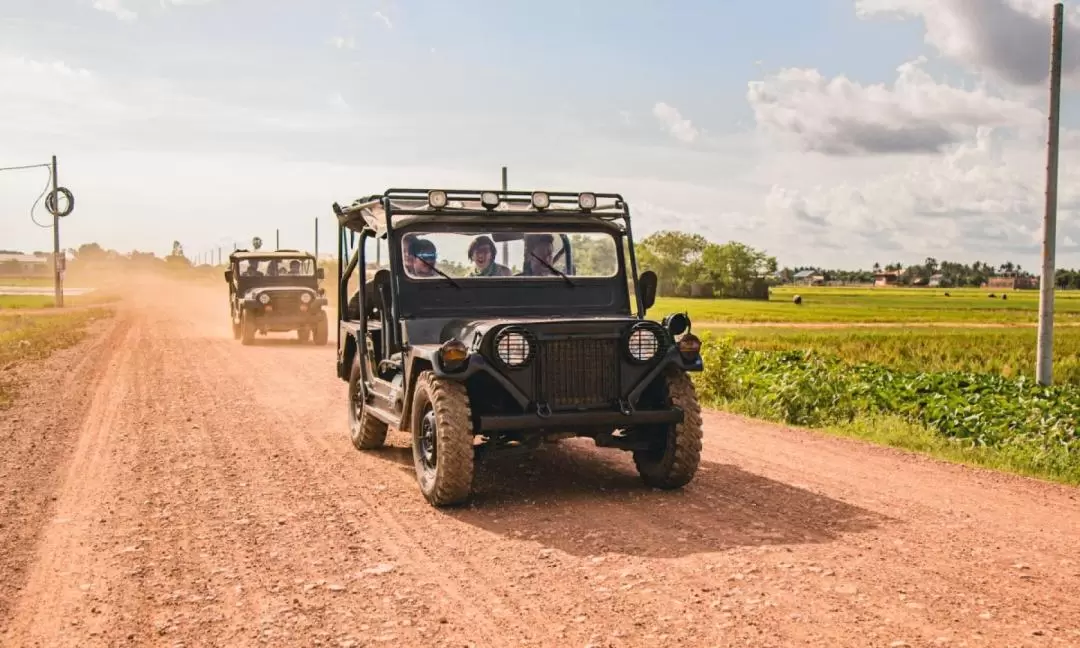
228,276
320,273
647,288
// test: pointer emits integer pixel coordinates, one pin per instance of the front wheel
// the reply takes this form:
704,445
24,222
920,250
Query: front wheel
442,440
673,462
322,331
247,329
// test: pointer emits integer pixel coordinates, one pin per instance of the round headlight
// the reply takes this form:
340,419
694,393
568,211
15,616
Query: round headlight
264,298
305,298
643,344
513,348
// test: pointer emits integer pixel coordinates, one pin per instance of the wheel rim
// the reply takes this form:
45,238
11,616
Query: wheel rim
429,451
357,403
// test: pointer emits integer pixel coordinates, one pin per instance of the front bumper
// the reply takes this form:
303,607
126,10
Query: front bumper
564,420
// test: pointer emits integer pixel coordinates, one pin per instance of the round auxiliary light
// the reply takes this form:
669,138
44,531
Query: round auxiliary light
437,198
305,298
587,201
489,199
643,344
513,348
541,200
264,298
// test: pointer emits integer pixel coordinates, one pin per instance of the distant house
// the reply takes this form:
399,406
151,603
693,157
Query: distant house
809,278
937,281
1012,283
24,264
887,278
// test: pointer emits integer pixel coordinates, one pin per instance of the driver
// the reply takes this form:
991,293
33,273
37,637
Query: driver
540,245
294,267
421,250
252,269
482,254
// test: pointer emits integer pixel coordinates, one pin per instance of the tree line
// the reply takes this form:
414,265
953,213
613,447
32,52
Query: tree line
690,264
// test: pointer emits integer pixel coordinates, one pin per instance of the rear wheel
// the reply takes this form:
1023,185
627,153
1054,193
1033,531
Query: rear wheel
366,431
442,440
673,462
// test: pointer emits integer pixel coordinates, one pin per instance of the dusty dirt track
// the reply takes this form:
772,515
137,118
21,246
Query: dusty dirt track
164,485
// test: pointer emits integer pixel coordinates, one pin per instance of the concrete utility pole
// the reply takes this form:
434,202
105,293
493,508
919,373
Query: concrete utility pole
58,282
506,244
1045,364
316,239
277,239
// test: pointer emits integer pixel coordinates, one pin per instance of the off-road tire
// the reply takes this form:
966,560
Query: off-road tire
322,331
366,431
303,335
450,482
247,329
235,329
682,450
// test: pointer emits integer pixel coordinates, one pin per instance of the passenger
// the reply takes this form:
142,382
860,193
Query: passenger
422,250
482,254
538,245
294,267
252,269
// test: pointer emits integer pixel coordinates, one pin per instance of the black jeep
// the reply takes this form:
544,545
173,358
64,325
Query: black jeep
276,291
505,319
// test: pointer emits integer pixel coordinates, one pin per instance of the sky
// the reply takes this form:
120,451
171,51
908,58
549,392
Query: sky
829,133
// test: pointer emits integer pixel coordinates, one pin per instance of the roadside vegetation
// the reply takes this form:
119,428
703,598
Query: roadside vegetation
25,338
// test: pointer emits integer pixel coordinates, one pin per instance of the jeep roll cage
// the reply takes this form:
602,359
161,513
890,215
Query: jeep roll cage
397,209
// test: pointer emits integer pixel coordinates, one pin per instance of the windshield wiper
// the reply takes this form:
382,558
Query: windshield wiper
554,269
440,272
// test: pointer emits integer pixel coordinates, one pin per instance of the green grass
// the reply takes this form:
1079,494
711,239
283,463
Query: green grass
1009,352
23,282
17,302
876,305
25,338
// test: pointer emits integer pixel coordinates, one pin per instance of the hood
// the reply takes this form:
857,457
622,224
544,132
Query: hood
471,331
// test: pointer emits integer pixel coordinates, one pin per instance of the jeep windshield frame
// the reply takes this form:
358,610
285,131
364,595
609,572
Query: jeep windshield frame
247,282
398,212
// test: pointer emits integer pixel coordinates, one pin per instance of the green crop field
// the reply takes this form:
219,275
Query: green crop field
876,305
911,368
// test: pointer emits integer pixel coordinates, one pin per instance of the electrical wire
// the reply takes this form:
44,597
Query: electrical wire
48,181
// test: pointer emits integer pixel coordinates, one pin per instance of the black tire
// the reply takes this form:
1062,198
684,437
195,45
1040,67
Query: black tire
442,440
322,331
366,431
235,329
675,464
303,334
247,329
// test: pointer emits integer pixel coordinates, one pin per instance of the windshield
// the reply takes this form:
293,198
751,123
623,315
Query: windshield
277,267
431,255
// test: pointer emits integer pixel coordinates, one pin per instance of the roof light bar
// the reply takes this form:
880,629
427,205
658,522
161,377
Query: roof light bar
489,199
587,201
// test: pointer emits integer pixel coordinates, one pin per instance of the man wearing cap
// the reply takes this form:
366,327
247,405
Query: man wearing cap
421,250
482,254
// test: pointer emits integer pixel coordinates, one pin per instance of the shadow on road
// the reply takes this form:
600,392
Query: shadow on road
584,503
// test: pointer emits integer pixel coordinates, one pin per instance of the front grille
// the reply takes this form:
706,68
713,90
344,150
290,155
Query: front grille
285,302
578,373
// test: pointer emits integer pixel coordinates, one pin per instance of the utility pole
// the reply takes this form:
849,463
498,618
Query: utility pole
506,244
316,240
58,282
1045,363
277,239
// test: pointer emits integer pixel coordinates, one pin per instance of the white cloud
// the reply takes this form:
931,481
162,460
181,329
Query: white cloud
675,124
384,18
1008,38
915,114
115,8
341,42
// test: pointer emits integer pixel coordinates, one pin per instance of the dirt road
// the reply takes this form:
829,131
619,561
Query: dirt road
164,485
